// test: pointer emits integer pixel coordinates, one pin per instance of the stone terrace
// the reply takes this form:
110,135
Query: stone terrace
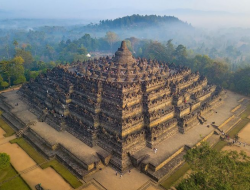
53,138
168,147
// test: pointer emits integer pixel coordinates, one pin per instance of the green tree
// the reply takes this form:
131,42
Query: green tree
50,52
18,71
154,50
212,170
88,42
79,57
111,37
18,60
13,71
200,63
31,74
6,70
170,50
133,41
82,50
217,73
19,79
241,81
180,54
3,83
26,55
4,161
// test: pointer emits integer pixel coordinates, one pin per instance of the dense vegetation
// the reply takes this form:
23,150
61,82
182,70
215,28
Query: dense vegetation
232,44
212,169
217,71
24,54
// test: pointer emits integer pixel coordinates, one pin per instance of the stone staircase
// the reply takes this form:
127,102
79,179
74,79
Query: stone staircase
168,168
136,160
74,166
39,145
4,105
20,132
15,122
158,167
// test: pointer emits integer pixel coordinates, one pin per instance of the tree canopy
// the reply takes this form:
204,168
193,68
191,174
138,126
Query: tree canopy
111,38
4,161
40,52
214,170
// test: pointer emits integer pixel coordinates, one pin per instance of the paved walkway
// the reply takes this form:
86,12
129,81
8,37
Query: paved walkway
6,139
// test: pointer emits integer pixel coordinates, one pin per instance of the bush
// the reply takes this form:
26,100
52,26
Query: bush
4,160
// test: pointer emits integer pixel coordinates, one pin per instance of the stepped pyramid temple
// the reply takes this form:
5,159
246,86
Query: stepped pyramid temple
121,108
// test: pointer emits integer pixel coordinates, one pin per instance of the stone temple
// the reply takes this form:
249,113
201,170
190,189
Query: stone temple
122,105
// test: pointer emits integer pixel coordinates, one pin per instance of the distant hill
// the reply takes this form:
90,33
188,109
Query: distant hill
137,21
140,26
160,28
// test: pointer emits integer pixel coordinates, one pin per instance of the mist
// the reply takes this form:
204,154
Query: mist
207,27
194,33
206,13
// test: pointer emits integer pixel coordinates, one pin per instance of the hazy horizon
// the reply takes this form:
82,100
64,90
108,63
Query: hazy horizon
206,13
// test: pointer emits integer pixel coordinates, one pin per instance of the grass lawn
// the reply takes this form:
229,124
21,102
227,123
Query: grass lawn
175,177
219,145
8,130
36,156
246,113
16,183
39,159
238,127
64,172
241,124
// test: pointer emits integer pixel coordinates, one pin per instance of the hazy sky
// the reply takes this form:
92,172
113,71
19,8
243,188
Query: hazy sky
103,9
54,6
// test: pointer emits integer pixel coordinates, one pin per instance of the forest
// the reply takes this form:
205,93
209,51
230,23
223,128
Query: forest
222,56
